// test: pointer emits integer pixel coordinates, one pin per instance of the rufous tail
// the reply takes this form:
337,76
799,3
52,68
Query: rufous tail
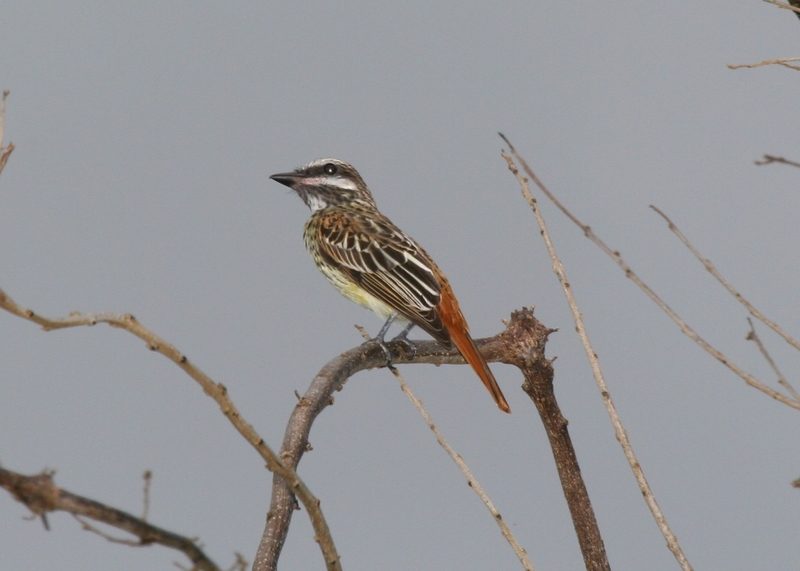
454,320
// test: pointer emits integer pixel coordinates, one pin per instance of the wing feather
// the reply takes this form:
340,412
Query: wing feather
387,263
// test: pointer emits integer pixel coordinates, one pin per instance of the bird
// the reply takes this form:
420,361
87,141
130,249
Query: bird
372,262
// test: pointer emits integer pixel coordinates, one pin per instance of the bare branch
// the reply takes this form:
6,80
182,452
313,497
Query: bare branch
753,336
239,565
217,391
3,115
688,331
520,552
713,271
5,152
147,477
522,341
40,495
330,378
622,436
779,61
769,159
86,526
794,9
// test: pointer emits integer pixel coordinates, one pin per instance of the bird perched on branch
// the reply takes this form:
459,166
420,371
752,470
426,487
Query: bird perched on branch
375,264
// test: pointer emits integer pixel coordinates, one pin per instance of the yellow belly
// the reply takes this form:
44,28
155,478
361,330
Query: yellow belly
346,287
355,293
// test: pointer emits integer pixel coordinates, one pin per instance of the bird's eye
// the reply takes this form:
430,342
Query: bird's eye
330,168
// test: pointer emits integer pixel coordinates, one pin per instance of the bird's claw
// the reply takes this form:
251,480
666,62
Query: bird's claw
385,348
403,340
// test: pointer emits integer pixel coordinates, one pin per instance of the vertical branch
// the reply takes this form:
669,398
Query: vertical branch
295,443
622,436
5,152
524,347
524,338
539,386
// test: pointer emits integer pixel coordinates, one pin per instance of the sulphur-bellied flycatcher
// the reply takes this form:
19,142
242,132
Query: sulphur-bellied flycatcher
375,264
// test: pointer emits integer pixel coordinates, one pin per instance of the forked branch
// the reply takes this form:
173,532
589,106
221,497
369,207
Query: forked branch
726,284
521,344
41,495
769,159
688,331
217,391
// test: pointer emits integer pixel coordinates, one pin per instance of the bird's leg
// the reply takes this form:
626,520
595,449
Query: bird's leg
381,334
402,337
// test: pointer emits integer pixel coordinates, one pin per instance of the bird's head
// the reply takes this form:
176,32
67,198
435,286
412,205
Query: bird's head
327,182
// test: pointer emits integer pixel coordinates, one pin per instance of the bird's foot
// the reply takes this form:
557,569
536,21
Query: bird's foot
409,347
384,347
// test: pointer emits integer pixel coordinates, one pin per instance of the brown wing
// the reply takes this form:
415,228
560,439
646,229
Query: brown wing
387,263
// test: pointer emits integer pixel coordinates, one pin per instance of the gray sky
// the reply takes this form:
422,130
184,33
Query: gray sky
145,137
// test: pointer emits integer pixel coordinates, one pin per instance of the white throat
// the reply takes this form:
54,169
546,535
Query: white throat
315,203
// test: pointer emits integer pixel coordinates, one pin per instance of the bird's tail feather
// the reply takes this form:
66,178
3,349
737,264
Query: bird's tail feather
455,323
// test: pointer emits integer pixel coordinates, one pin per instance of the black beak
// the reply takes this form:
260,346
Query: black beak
286,178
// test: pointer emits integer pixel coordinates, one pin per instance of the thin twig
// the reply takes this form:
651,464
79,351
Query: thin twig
753,336
779,61
5,152
40,495
86,526
688,331
462,465
3,115
713,271
217,391
784,6
147,477
239,565
769,159
622,436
